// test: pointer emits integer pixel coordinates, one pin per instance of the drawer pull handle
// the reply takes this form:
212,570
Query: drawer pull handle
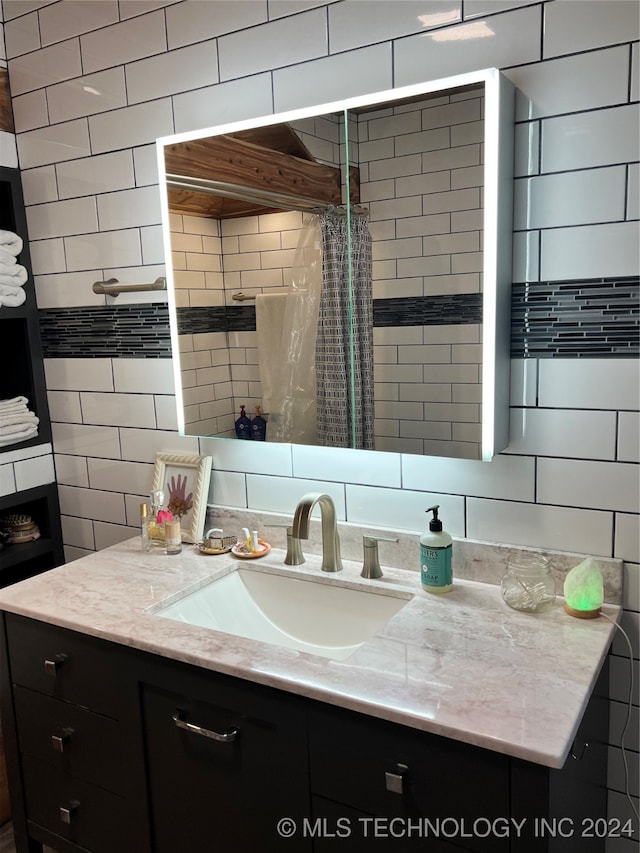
51,667
394,782
224,737
58,741
67,813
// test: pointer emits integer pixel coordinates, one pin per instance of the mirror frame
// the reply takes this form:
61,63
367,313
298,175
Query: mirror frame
497,231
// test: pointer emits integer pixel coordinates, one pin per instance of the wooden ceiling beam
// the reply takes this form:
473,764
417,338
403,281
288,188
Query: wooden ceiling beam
6,113
237,161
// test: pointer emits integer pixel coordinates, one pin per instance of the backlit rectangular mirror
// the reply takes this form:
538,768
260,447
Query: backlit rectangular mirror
347,268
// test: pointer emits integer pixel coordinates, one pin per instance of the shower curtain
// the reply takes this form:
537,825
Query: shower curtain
292,411
344,346
325,361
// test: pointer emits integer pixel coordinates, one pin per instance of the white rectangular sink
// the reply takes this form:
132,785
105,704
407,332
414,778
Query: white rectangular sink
300,613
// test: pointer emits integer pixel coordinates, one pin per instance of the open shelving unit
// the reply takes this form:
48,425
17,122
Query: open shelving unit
22,374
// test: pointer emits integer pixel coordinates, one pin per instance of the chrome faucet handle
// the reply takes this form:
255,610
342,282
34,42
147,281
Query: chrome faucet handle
371,566
294,556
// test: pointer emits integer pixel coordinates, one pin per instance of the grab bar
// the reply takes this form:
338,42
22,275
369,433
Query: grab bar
112,287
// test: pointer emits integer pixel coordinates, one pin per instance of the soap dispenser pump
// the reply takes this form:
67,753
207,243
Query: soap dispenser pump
436,547
243,425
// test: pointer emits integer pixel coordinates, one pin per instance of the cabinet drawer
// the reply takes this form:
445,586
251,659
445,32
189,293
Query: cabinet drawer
230,794
340,829
69,738
84,814
61,663
389,770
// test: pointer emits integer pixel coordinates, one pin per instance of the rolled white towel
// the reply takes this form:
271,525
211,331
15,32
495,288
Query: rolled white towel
14,438
6,258
12,296
12,301
14,275
11,242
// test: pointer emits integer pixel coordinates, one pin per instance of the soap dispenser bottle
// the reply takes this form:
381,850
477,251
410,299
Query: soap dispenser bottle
436,548
258,426
243,425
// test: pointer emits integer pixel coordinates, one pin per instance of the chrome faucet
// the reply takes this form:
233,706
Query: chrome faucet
331,561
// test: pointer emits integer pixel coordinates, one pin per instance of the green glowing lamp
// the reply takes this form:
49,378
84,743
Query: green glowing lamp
584,590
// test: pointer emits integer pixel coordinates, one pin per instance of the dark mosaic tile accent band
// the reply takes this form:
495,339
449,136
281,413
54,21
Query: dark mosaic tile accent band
404,311
232,318
110,331
446,310
593,318
199,321
242,318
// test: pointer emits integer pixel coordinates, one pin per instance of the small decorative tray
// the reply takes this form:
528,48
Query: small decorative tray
204,550
240,550
215,544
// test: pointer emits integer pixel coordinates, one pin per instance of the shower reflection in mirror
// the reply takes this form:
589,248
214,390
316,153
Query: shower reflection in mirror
384,200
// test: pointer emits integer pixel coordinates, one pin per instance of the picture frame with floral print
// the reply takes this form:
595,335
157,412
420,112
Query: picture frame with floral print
184,479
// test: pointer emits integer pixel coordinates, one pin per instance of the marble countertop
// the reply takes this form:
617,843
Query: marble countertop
462,665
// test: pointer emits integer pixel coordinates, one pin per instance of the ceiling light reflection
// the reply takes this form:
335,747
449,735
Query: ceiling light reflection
438,19
475,30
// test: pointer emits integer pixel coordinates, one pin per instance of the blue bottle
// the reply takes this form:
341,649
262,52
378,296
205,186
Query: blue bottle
243,425
258,427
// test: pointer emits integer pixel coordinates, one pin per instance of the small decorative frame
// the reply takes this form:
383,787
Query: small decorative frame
185,481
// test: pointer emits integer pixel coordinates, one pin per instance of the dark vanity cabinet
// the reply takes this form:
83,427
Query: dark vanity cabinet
398,789
226,761
71,720
112,750
380,770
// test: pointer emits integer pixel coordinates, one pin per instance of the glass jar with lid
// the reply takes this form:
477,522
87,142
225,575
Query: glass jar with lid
528,583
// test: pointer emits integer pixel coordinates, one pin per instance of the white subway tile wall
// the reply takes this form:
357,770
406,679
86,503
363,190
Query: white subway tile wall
26,468
417,177
273,45
74,20
226,102
75,98
8,150
53,144
24,33
30,110
508,39
71,471
343,75
206,365
569,479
